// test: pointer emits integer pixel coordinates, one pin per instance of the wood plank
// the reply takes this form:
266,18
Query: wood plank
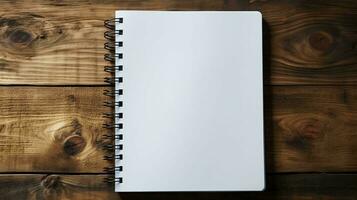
61,43
311,128
78,187
59,187
310,42
55,129
51,129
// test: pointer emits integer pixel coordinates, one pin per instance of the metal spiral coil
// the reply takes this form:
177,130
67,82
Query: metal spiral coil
112,148
112,69
114,180
113,93
113,80
113,104
113,169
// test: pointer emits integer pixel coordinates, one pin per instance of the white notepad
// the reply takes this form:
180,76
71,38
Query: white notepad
192,101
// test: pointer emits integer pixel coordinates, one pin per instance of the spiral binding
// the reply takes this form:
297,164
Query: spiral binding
114,126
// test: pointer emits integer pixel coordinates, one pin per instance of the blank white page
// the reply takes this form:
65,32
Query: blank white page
192,101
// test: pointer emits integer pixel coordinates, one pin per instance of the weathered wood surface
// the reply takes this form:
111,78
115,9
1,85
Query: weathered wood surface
51,129
307,42
91,187
61,42
56,129
311,128
55,187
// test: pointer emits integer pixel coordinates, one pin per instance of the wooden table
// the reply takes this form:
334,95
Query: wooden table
51,69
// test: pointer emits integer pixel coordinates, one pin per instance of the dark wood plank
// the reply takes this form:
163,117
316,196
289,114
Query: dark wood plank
311,128
61,43
307,42
56,129
78,187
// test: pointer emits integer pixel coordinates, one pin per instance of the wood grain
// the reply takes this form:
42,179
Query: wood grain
310,128
91,187
61,42
55,187
307,42
56,129
51,129
43,130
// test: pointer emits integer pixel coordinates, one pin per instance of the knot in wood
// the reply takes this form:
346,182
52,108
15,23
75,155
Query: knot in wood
74,145
310,129
27,32
50,181
321,41
301,132
20,36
